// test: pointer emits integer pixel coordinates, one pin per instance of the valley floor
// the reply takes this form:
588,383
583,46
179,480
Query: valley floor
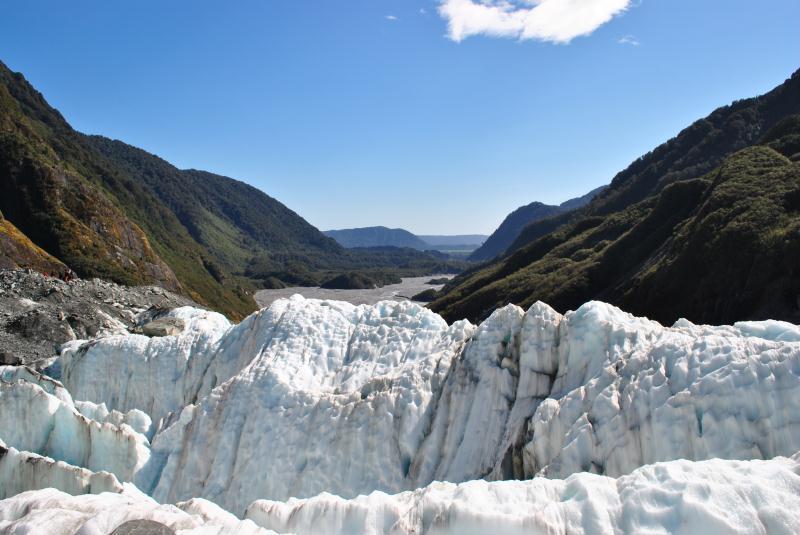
405,290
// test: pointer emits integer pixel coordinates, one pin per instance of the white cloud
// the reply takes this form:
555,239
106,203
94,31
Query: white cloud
557,21
629,40
422,11
390,17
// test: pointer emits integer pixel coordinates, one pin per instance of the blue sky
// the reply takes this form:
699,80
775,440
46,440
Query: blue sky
439,117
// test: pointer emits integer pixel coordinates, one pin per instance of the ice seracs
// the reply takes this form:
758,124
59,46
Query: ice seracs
35,421
336,398
350,399
22,471
53,511
630,392
310,397
677,497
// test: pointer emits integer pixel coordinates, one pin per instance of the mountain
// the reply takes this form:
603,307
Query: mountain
706,227
397,237
376,237
459,245
109,210
512,225
52,192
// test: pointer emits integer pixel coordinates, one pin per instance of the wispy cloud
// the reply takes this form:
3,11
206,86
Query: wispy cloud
391,17
423,11
629,40
556,21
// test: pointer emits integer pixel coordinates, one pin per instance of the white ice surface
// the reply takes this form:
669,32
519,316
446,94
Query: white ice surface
314,396
35,421
337,398
678,497
23,471
53,512
154,375
629,392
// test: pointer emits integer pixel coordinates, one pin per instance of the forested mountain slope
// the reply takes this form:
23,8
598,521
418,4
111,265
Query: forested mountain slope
376,237
109,210
512,225
704,227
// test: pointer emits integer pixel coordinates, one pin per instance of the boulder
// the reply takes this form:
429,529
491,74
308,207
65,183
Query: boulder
9,359
164,327
143,527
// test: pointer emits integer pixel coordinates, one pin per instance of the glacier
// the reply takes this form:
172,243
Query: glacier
677,497
313,411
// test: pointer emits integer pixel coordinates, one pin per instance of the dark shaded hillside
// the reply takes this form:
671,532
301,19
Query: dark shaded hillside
511,227
713,239
376,237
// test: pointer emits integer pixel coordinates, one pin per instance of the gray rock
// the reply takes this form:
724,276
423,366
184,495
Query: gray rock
9,359
143,527
39,313
164,327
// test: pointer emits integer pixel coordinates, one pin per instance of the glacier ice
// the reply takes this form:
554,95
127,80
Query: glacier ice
22,471
53,511
310,397
35,421
677,497
713,496
155,375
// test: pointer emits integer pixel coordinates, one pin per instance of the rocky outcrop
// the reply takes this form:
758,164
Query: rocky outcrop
39,313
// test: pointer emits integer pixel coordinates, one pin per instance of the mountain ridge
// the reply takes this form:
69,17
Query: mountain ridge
513,224
377,236
110,210
737,186
380,236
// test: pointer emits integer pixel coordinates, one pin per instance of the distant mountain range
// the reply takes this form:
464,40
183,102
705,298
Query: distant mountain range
511,227
397,237
376,237
106,209
705,227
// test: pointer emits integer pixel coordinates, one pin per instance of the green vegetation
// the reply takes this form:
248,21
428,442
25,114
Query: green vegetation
705,227
511,227
425,296
113,211
357,281
18,251
383,265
